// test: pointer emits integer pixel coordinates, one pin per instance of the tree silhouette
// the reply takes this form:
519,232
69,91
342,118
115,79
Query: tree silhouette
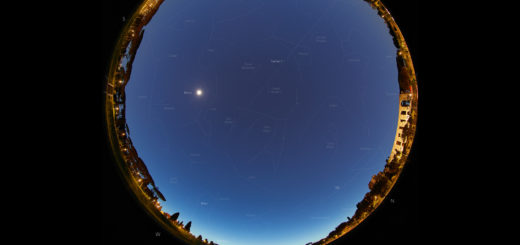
340,228
188,226
407,131
379,184
391,168
174,216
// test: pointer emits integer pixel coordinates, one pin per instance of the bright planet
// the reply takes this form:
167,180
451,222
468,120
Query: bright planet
262,121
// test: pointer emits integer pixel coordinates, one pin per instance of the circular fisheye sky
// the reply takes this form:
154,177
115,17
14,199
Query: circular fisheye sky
262,122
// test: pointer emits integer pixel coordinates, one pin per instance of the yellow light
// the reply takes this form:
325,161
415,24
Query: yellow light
199,92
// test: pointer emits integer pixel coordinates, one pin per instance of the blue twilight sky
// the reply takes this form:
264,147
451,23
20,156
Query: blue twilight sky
298,110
